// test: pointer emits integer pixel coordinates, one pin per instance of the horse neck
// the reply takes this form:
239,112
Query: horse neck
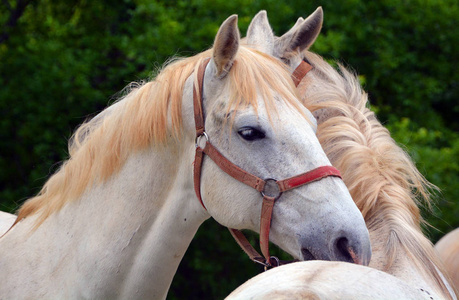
124,238
393,220
404,252
398,245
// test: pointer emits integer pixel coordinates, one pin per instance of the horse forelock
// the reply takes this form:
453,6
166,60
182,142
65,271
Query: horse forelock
257,74
149,115
382,179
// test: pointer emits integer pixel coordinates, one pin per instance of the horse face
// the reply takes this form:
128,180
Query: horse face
274,138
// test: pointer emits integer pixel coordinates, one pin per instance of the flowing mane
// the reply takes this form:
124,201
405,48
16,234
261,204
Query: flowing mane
151,115
380,176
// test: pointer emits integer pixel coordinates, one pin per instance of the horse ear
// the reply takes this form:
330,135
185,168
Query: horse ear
295,27
309,31
303,34
226,45
260,35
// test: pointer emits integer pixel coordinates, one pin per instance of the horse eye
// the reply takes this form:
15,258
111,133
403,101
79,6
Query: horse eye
251,134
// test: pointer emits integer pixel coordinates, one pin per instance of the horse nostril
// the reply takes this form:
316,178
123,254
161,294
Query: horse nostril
344,252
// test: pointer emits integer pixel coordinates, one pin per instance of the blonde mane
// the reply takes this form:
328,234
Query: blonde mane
151,115
381,177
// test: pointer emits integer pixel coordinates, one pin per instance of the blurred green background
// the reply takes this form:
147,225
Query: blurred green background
63,61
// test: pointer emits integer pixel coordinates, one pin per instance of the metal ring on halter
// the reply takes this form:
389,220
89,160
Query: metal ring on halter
204,134
272,194
276,259
270,265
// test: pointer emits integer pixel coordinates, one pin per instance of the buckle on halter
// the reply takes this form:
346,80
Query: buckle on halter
271,189
198,137
272,262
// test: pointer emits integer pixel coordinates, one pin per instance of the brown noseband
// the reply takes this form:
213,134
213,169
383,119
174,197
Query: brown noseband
249,179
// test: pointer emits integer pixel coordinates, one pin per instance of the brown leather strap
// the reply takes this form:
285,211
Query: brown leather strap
300,71
197,98
265,224
199,124
246,246
232,169
308,177
197,166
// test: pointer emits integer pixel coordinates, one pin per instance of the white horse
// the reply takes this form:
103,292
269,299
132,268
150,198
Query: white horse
326,280
116,219
381,177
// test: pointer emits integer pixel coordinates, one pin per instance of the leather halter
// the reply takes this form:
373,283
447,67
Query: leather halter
300,71
265,187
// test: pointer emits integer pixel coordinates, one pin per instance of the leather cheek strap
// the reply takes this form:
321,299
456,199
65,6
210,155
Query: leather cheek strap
300,71
197,167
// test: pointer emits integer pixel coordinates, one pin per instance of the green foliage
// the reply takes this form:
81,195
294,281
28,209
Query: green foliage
407,55
62,61
437,155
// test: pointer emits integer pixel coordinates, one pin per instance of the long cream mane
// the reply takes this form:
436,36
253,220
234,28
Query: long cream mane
381,177
151,115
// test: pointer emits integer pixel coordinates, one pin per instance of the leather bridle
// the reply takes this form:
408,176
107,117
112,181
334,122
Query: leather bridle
270,189
300,71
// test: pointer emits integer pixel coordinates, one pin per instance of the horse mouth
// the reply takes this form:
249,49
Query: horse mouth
307,255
